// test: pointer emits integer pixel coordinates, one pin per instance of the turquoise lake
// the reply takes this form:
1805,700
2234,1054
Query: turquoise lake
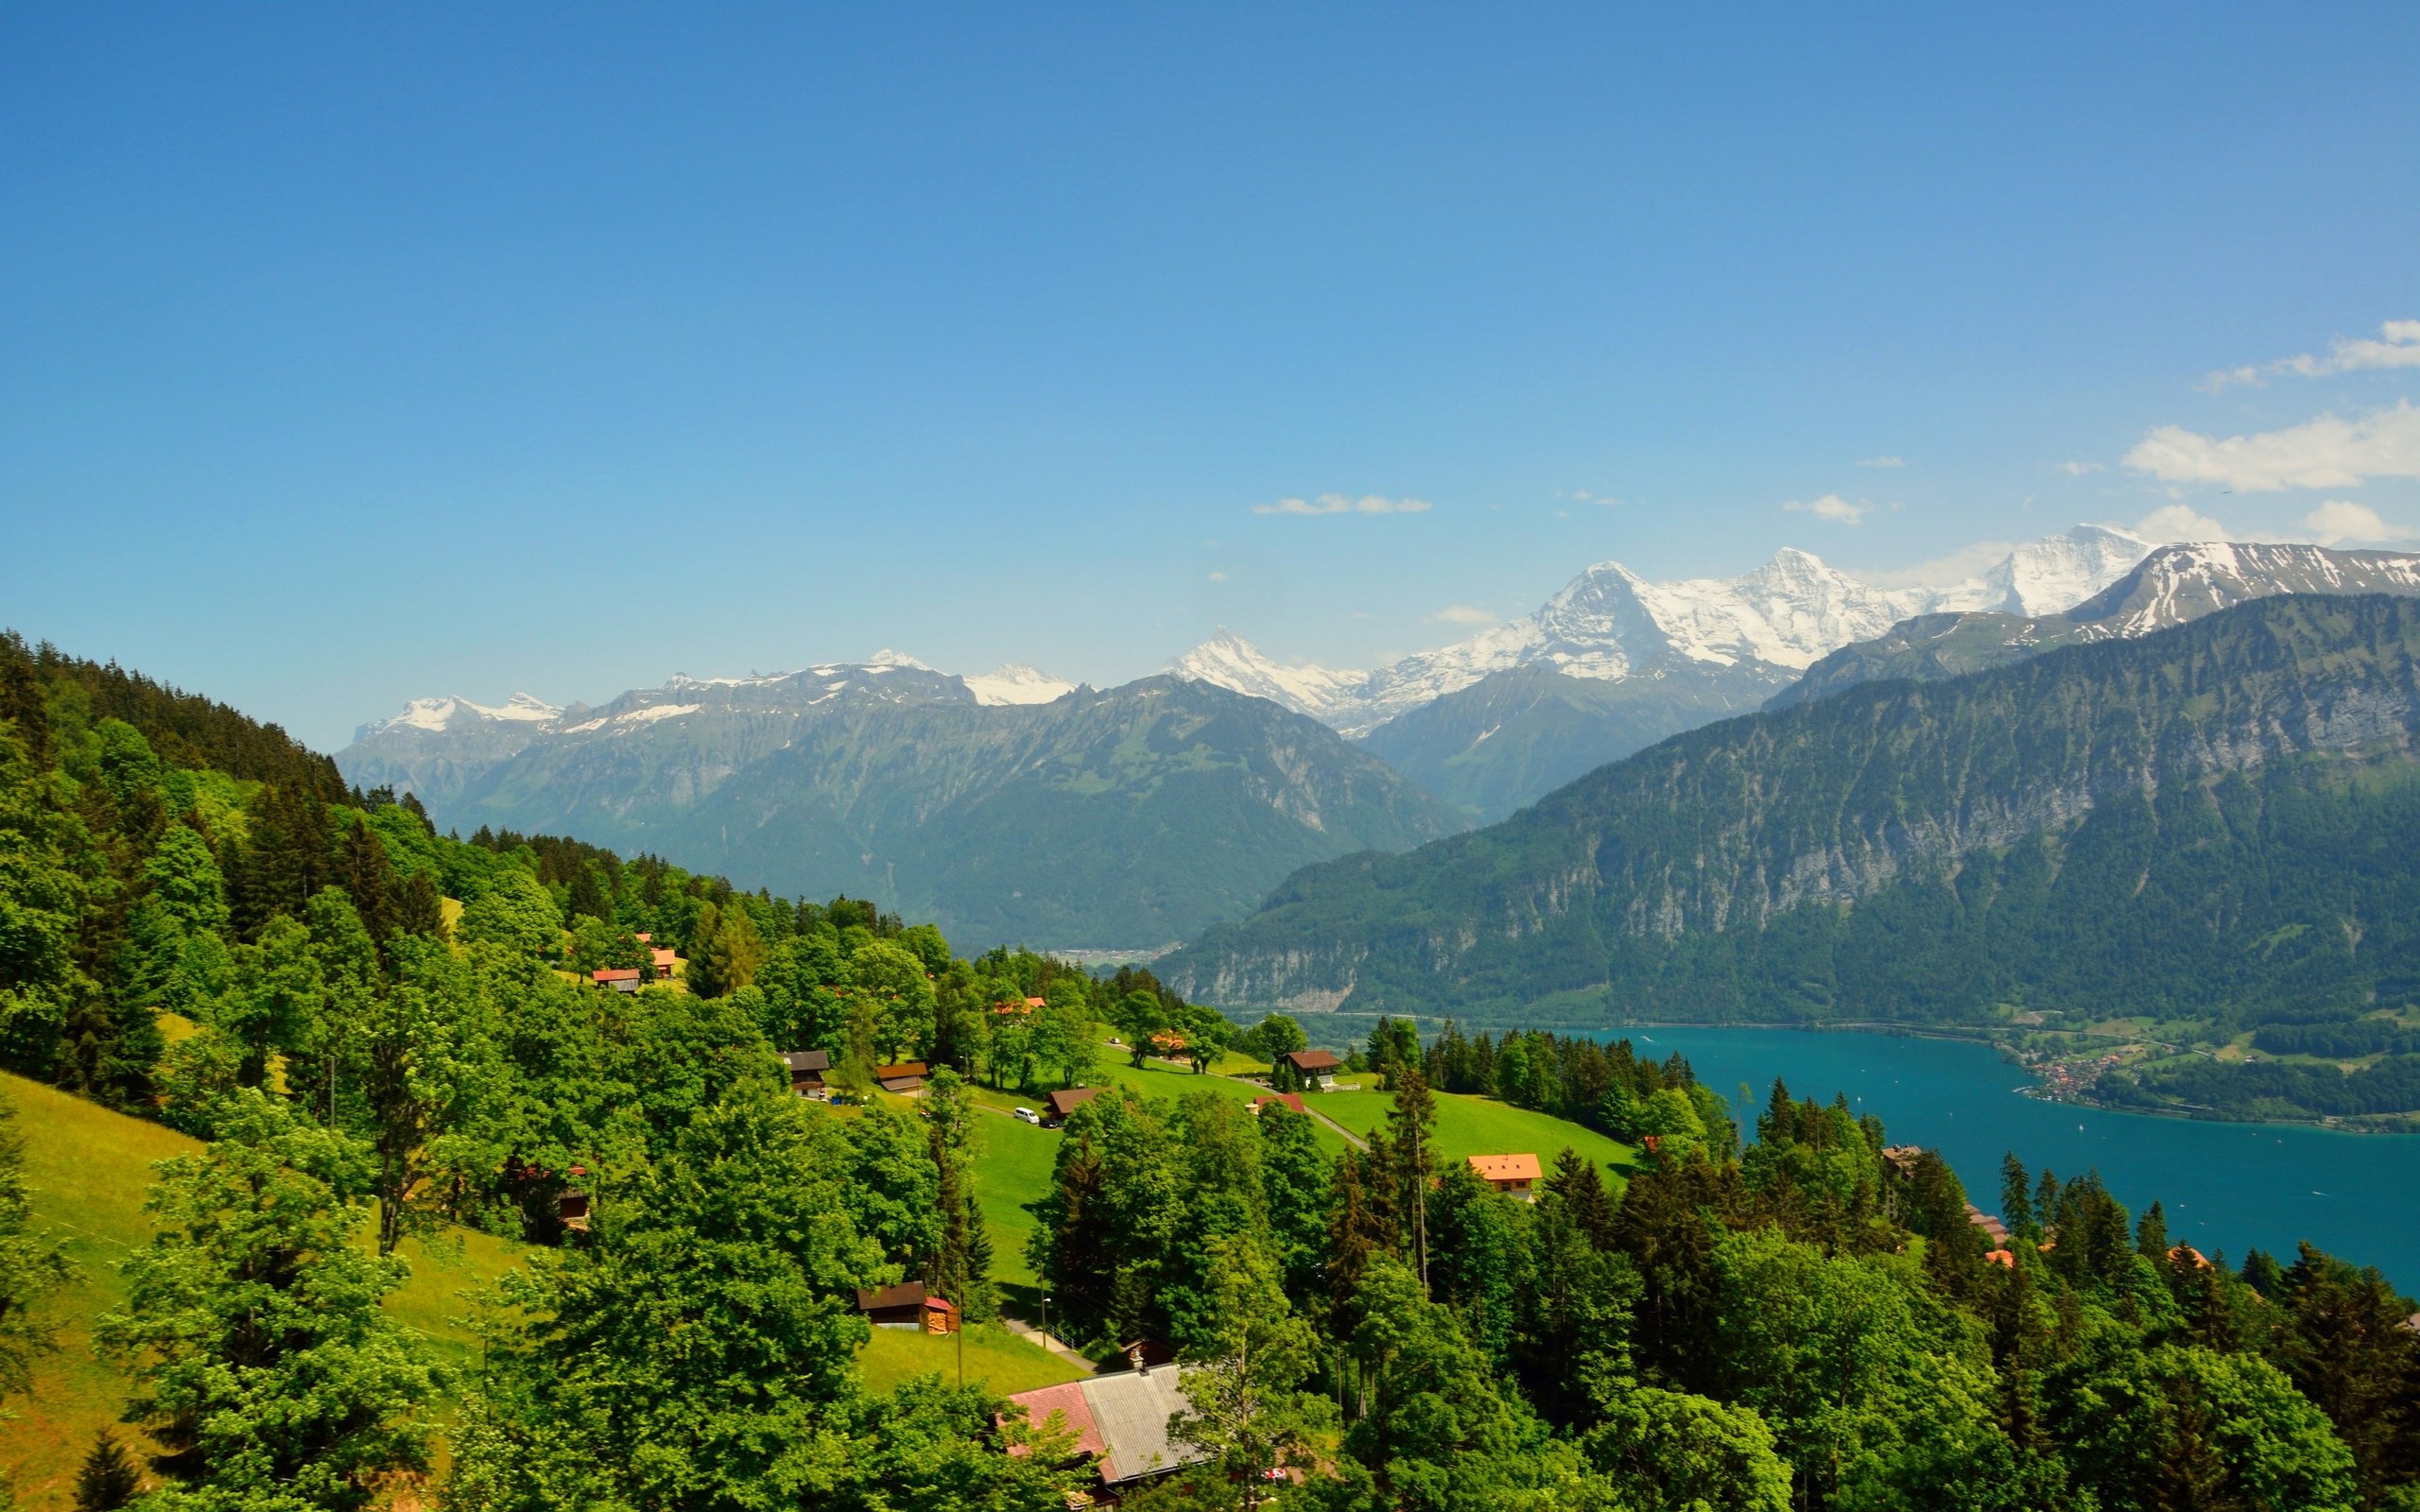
2224,1186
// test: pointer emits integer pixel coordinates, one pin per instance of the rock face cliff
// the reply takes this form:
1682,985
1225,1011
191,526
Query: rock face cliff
2056,827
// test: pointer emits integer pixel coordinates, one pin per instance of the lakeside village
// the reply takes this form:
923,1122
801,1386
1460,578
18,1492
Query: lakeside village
1116,1419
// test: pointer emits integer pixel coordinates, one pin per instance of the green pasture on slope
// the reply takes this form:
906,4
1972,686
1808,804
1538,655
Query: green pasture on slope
995,1357
88,1169
1013,1164
1480,1125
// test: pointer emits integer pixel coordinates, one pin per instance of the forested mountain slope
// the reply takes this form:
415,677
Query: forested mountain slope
2219,818
1125,818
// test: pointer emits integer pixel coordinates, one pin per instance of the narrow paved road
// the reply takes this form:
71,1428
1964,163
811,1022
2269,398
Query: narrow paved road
1350,1137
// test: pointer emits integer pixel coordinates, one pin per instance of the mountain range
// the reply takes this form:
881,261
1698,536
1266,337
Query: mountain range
1119,819
2171,586
2216,818
1613,663
1191,794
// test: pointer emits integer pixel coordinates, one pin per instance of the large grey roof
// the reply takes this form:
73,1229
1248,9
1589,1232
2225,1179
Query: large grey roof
1130,1411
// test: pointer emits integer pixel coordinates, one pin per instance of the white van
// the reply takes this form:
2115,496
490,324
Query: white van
1026,1115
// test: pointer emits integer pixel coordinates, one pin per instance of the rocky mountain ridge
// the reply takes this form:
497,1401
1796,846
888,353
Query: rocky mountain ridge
2172,586
2220,812
1610,624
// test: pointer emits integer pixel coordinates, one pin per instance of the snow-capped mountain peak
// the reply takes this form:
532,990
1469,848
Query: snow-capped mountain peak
1015,682
889,658
2049,575
1610,624
438,715
1228,660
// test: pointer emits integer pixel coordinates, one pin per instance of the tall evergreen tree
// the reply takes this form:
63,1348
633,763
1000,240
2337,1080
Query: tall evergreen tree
109,1478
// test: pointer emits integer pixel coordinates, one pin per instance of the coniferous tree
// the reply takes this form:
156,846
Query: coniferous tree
22,702
2016,1198
2150,1235
109,1478
364,872
1415,1122
420,909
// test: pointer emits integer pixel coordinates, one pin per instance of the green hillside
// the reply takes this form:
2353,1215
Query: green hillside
1468,1125
88,1168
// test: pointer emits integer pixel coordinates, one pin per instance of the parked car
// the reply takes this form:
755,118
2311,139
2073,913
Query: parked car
1026,1115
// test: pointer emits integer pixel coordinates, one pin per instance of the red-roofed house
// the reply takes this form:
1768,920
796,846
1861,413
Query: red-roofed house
664,959
621,979
1293,1100
1120,1421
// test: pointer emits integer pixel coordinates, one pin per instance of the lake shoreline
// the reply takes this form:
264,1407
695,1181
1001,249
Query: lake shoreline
2034,1091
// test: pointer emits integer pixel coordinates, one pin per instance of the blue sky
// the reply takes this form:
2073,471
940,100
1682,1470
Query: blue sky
351,355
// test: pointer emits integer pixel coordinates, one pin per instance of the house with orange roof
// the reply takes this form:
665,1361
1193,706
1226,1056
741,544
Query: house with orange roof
1517,1175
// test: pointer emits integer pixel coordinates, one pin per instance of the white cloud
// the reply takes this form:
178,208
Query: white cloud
2396,345
1831,506
2077,470
1883,461
2336,521
2179,521
2327,453
1340,504
1460,614
1967,561
1218,577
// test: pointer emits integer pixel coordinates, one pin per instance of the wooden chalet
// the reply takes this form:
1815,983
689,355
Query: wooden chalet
1318,1068
663,959
1517,1175
807,1069
620,978
1066,1101
907,1078
907,1305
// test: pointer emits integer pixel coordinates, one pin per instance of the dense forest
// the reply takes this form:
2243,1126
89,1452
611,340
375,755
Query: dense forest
381,1030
